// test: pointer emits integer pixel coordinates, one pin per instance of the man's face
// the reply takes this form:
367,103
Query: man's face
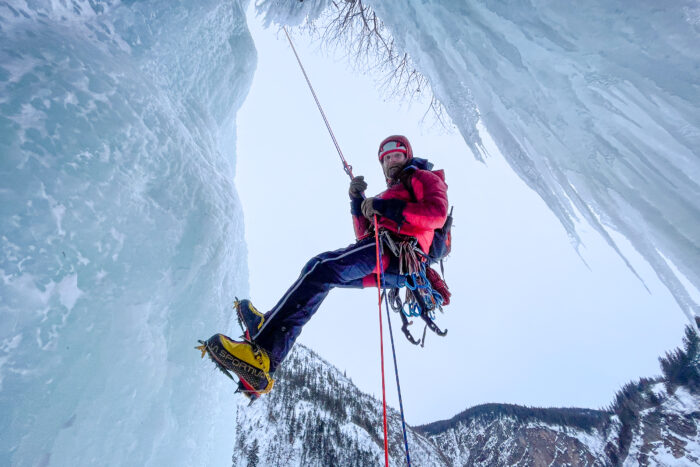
392,164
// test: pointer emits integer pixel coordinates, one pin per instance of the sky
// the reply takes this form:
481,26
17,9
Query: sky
532,321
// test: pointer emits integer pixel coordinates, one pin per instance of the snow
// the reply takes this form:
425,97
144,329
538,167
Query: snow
683,402
659,390
261,422
681,405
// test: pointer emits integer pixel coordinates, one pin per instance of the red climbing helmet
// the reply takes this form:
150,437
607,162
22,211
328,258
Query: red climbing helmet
395,143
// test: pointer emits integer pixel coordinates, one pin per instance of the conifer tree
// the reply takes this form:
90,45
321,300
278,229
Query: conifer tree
253,454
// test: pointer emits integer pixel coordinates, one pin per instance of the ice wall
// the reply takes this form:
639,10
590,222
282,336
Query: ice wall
121,237
596,106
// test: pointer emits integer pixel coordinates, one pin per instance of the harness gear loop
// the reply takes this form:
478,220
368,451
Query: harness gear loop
406,250
421,298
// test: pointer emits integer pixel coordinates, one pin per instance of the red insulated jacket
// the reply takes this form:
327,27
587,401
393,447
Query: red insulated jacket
403,214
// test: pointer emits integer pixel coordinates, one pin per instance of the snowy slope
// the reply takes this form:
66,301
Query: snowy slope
120,239
316,416
664,433
667,433
499,434
651,422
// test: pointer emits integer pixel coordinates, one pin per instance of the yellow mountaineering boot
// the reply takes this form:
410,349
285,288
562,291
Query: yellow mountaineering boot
249,362
249,317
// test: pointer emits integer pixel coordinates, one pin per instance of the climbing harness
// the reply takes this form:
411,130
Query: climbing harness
421,299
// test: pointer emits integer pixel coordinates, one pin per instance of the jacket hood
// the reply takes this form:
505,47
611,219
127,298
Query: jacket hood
416,163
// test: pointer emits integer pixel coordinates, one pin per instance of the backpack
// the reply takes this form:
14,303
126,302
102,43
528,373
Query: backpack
442,240
441,245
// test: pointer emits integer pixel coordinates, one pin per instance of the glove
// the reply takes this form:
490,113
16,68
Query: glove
357,187
368,209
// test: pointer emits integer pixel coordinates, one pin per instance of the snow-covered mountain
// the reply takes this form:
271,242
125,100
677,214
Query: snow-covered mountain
500,434
316,416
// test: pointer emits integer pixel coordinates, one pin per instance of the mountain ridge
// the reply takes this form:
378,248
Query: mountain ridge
316,416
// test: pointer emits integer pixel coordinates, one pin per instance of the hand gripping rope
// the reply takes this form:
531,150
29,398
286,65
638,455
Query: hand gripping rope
380,280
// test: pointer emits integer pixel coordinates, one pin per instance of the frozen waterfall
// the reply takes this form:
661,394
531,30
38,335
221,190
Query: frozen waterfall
120,229
595,106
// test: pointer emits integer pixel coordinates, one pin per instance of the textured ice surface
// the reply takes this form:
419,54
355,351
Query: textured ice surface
595,106
291,13
120,232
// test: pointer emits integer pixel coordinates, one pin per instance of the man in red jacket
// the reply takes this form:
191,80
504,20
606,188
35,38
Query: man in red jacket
414,205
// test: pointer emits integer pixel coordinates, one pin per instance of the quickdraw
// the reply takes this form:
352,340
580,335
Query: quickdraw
420,299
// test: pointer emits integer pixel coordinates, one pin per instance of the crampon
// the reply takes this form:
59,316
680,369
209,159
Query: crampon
248,362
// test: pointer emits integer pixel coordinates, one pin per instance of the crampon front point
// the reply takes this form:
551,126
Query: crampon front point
249,363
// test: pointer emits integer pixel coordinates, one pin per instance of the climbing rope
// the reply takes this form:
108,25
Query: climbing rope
380,280
346,167
381,335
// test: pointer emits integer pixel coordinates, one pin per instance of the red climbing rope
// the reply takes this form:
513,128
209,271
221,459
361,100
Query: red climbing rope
348,170
381,337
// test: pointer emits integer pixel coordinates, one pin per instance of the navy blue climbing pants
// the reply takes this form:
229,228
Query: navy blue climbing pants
340,268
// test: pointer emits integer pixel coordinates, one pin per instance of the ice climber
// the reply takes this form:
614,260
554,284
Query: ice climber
412,207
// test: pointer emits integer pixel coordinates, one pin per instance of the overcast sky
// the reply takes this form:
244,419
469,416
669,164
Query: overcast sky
529,322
